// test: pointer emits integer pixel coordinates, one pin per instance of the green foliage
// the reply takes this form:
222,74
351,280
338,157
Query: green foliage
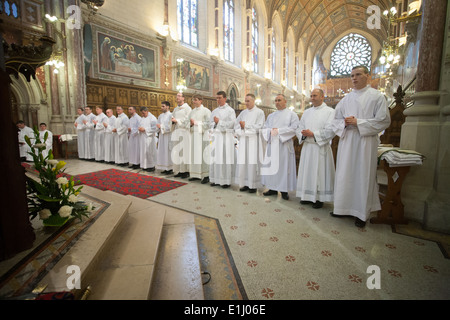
53,197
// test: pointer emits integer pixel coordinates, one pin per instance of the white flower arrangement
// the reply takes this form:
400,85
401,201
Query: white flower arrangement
54,198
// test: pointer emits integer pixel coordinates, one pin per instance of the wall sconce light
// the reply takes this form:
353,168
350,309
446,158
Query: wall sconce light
214,52
164,30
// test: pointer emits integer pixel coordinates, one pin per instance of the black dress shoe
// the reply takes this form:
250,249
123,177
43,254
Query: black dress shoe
225,186
317,205
150,169
169,171
359,223
306,202
335,215
270,193
193,179
243,189
285,195
213,184
205,180
185,175
179,174
252,190
338,215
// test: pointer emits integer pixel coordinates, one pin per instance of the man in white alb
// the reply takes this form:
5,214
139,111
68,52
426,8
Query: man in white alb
109,137
120,133
99,134
49,142
181,138
164,127
89,144
199,164
147,140
247,126
278,170
24,148
315,182
81,131
360,116
222,146
134,146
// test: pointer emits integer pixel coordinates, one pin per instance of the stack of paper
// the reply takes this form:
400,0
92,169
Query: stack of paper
67,137
397,157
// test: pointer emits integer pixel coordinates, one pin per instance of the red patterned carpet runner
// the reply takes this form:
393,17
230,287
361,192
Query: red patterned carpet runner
124,182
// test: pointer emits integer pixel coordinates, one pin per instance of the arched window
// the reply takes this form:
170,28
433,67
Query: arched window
255,35
228,30
233,100
187,16
352,50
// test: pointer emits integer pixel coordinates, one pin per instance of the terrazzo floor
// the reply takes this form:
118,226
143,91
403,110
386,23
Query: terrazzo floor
283,250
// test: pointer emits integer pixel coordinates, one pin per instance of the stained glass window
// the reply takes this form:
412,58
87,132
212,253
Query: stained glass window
255,35
10,8
187,16
228,30
286,65
273,55
352,50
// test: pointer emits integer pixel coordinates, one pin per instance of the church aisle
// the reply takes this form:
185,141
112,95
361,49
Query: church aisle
284,250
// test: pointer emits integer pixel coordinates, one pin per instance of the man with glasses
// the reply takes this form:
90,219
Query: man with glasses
222,151
180,131
247,126
359,118
120,133
200,116
278,170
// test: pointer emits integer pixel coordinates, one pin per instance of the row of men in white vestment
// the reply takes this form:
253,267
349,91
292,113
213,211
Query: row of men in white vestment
251,151
24,149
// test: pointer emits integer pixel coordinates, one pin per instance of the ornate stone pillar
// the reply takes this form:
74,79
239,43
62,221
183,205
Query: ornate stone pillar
427,125
56,122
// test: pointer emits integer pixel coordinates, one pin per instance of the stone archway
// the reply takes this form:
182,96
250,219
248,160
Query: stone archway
28,99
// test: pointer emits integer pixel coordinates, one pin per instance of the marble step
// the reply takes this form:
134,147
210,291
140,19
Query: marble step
127,267
86,253
178,273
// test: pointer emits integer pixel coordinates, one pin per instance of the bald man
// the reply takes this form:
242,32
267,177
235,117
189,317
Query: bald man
315,182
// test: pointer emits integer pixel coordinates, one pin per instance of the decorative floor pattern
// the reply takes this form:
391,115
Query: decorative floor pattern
50,246
221,281
282,250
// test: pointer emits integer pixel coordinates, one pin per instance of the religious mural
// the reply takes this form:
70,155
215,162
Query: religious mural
197,77
119,57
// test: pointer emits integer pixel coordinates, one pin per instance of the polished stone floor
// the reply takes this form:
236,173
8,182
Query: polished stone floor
285,250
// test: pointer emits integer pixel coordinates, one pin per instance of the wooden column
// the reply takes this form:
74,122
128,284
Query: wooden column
16,233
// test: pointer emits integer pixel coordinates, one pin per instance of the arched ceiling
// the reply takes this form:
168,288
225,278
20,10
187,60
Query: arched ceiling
317,23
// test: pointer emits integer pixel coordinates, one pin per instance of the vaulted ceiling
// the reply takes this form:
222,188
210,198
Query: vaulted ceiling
317,23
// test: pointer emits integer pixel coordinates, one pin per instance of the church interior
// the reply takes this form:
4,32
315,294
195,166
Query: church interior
183,240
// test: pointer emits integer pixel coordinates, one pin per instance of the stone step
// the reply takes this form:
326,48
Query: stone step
136,250
127,268
87,250
178,273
